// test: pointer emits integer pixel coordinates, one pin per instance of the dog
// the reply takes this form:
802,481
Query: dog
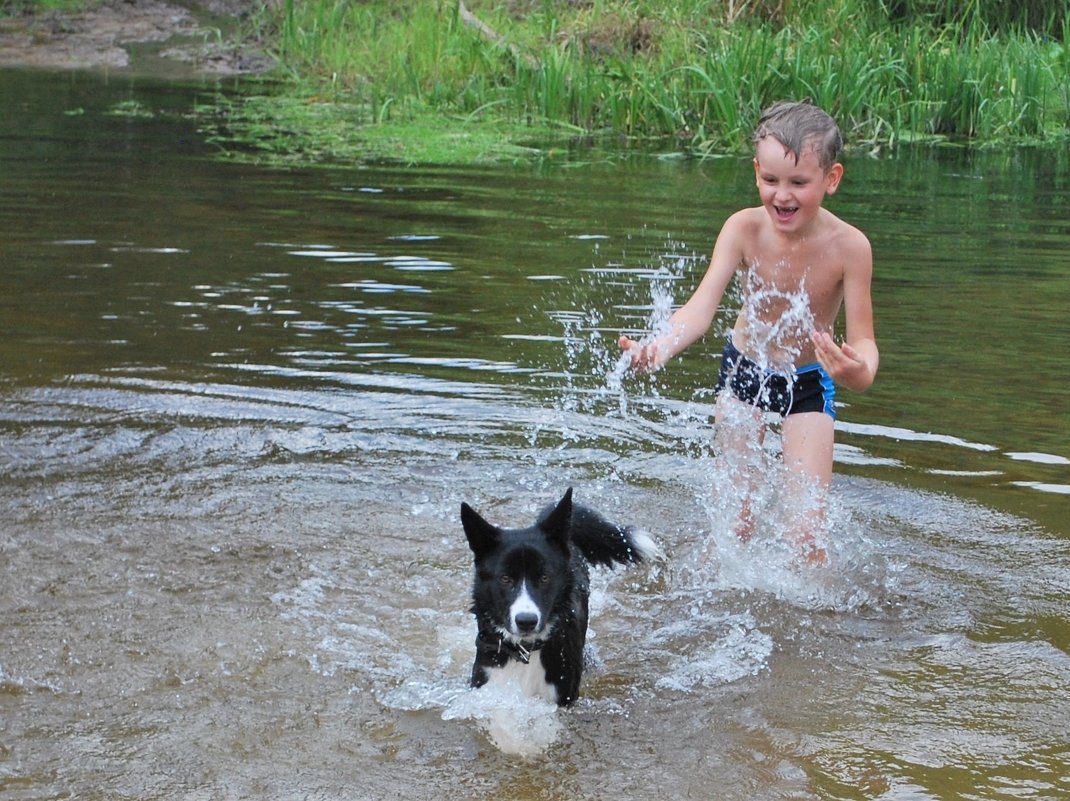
530,594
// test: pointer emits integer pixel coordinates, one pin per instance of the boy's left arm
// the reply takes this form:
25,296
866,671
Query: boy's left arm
854,364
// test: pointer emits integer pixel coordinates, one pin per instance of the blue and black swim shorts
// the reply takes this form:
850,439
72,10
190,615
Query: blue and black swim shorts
809,389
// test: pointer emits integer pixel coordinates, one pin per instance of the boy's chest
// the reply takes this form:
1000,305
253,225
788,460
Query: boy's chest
796,269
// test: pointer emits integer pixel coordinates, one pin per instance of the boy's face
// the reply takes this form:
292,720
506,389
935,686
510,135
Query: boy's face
792,193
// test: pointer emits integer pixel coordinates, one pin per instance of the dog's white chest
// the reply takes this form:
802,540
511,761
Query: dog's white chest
529,678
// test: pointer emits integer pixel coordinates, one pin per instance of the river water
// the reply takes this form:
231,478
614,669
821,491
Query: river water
240,407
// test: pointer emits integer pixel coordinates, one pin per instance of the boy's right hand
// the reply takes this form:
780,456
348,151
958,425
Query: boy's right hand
644,355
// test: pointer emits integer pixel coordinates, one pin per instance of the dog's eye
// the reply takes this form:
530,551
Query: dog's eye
505,579
544,578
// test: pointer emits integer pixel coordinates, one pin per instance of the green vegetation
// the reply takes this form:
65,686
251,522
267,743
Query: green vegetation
14,7
132,109
379,77
299,128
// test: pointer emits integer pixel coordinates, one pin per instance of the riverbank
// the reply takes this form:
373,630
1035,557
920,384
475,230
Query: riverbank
445,81
194,36
685,78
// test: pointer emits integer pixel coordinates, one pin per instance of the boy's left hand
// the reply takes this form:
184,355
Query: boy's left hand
845,364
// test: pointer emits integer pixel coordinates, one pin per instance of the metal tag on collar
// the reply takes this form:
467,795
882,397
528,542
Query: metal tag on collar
522,653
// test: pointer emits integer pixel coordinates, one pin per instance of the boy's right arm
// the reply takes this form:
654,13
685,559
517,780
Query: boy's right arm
693,319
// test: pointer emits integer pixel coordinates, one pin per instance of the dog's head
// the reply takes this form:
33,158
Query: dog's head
521,574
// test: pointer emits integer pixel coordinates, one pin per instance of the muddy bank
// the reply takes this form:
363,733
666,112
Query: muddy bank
199,35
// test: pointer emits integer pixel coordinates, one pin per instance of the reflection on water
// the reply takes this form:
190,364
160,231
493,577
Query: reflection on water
239,410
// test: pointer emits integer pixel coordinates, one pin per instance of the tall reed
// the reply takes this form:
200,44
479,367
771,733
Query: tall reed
700,78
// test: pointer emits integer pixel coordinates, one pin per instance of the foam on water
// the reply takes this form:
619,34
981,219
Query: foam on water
709,649
21,685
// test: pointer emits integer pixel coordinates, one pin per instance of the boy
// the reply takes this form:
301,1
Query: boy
797,263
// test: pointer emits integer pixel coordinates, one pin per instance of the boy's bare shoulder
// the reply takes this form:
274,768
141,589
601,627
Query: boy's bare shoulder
746,221
843,236
753,215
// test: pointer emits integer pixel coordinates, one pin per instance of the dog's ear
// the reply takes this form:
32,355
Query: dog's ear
482,536
556,525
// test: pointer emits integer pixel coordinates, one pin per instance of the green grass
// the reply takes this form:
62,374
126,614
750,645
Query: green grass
15,7
691,73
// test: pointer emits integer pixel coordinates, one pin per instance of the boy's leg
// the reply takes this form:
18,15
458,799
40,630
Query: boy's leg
807,448
807,445
738,437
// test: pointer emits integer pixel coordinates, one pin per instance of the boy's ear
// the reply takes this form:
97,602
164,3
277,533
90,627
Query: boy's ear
832,178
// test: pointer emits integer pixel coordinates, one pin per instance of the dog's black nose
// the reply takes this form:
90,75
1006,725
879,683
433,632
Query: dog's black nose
526,622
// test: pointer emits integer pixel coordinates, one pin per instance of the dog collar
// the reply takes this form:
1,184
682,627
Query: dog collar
498,645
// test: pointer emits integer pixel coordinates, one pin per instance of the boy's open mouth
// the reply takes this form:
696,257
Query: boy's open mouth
785,212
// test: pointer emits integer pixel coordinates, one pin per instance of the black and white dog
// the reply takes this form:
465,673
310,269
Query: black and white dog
530,594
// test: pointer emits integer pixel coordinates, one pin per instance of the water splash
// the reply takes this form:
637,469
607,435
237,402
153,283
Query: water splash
515,723
766,529
657,324
416,679
733,648
615,381
583,341
777,321
855,572
591,350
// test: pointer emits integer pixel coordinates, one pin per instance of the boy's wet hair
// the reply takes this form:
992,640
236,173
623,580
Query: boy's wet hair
797,125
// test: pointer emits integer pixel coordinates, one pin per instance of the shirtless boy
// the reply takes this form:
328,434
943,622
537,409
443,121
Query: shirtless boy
788,252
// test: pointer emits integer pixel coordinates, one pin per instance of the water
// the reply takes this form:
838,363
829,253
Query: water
240,408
